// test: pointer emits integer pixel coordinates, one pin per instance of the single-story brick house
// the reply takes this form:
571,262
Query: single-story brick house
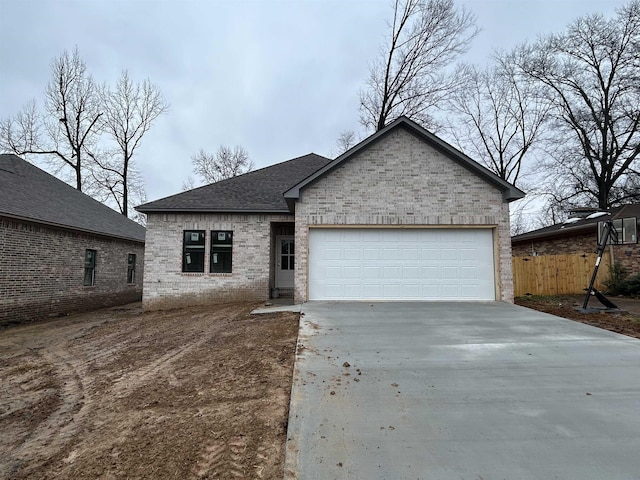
400,216
580,236
61,250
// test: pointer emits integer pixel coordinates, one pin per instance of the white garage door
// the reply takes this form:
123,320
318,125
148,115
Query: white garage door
407,264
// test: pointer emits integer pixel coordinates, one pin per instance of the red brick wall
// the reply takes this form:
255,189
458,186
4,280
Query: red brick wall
42,271
585,243
625,255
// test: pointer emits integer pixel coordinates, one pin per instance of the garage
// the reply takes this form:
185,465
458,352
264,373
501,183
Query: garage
401,264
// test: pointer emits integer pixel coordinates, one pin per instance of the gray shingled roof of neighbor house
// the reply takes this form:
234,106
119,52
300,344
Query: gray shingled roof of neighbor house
29,193
259,191
581,226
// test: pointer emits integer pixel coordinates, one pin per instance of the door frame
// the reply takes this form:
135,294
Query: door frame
277,255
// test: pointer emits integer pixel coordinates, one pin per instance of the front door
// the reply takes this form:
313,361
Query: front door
285,261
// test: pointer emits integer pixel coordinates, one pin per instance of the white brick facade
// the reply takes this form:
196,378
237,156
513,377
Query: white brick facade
401,181
165,285
394,179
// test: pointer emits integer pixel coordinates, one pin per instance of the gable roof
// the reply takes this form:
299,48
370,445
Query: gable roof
582,226
259,191
29,193
509,191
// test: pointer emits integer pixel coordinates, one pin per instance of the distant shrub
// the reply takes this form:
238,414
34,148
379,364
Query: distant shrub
621,283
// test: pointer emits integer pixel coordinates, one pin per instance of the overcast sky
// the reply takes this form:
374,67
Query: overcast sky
280,78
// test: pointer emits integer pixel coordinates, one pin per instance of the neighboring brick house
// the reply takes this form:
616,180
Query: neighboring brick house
400,216
581,237
61,250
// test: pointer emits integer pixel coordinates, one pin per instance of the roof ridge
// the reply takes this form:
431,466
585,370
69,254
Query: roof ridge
255,191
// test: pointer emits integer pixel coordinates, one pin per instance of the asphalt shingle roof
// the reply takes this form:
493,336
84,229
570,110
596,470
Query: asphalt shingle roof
259,191
581,226
29,193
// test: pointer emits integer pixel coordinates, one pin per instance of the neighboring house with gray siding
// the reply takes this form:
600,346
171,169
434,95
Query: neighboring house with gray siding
61,250
400,216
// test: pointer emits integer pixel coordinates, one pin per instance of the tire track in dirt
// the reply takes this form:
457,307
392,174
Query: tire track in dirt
224,458
61,425
123,385
135,379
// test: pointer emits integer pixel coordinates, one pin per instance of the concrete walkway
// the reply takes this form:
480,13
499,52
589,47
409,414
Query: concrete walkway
463,391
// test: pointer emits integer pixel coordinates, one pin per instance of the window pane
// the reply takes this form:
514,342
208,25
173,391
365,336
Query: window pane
630,230
193,251
88,276
284,262
220,260
291,263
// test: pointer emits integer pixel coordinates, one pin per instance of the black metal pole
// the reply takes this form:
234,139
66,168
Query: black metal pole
601,247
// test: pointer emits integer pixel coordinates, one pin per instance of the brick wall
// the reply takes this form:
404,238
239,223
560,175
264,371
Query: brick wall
625,255
42,271
400,180
166,286
585,243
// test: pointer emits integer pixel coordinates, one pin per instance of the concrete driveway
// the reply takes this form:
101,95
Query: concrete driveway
464,391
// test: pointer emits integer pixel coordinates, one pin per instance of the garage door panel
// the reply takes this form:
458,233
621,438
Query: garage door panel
410,273
469,273
399,264
353,272
409,253
331,273
430,254
352,253
353,291
392,272
369,253
390,254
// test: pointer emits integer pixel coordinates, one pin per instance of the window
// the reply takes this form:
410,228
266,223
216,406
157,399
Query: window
624,231
193,251
287,257
221,251
90,267
131,268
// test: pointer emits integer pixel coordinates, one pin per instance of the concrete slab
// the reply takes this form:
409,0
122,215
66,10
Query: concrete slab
277,308
460,391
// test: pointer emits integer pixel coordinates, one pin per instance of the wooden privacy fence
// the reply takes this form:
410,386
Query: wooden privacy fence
558,274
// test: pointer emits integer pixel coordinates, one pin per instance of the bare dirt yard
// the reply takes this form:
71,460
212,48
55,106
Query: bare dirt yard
566,306
118,393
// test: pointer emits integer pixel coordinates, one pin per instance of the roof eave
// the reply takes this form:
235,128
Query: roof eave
72,228
212,210
561,232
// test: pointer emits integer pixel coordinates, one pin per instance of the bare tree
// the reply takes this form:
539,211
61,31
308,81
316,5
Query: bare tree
129,111
346,140
188,184
69,126
591,79
225,163
20,133
498,118
409,77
